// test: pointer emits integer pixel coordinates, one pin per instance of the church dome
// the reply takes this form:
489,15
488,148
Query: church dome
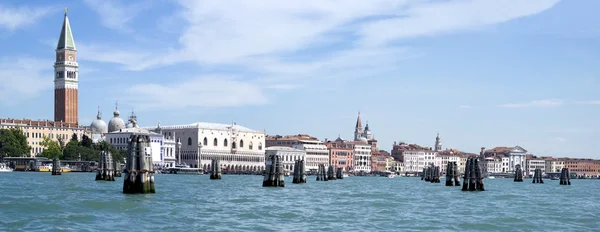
363,139
116,123
98,126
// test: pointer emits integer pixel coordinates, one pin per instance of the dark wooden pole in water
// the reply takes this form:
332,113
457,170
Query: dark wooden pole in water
340,173
473,180
275,176
537,176
518,173
215,167
449,174
56,169
331,173
436,174
105,167
565,178
456,174
117,167
139,177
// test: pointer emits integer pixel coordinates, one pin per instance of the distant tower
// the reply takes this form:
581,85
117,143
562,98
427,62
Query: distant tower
358,130
367,133
66,77
438,143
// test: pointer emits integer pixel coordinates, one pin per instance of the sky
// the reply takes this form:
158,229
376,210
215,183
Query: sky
481,73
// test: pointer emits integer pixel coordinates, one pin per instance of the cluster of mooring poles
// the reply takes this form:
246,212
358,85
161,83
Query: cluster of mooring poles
518,173
473,180
299,172
105,167
452,174
331,173
339,173
321,173
56,169
139,177
431,174
274,172
565,178
537,176
215,172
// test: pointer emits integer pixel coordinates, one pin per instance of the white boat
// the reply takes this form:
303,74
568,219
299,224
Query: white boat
491,177
391,175
345,175
5,168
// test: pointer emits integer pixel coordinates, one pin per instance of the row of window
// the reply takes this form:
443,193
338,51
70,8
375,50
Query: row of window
70,74
225,143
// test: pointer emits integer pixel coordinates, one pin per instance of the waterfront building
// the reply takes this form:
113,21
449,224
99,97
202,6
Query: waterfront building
382,161
167,148
535,163
587,168
237,147
120,140
516,155
316,151
416,158
341,154
36,130
362,156
443,158
288,156
554,165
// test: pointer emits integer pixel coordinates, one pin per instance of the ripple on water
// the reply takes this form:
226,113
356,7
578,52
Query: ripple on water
76,202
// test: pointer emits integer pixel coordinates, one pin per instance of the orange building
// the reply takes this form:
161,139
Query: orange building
341,154
583,167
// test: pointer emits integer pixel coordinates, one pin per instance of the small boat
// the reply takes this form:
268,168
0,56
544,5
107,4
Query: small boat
345,175
491,177
5,168
391,176
554,178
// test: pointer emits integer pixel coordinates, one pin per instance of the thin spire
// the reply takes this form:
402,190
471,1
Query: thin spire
99,116
66,40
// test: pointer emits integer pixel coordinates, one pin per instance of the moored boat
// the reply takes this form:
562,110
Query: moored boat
5,168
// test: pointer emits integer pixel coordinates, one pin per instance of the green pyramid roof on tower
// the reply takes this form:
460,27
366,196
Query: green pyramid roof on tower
66,37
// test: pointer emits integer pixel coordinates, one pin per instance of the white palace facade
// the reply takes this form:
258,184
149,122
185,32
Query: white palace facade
239,148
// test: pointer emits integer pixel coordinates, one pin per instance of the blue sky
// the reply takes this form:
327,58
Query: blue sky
480,73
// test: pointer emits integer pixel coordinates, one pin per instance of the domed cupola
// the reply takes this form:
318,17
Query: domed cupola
98,126
367,133
116,123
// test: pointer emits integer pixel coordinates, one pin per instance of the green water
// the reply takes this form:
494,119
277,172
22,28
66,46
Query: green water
75,202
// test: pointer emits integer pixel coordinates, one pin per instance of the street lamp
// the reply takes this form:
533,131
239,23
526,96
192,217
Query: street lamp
179,150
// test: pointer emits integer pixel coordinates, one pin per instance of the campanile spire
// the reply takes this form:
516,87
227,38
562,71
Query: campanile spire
66,76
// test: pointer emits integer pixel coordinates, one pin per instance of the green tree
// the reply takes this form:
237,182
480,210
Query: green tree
72,150
74,137
86,141
13,143
52,149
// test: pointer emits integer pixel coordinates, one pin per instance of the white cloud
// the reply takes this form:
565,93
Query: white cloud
560,139
115,14
538,103
465,106
12,18
285,42
591,102
23,78
207,91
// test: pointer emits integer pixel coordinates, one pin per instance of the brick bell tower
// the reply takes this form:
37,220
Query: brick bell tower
66,77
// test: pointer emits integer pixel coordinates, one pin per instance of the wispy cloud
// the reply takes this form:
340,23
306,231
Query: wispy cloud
286,42
12,18
116,14
23,77
560,139
538,103
206,91
465,107
591,102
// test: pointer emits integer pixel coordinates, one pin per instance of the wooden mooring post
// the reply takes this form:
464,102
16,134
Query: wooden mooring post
340,173
216,169
299,172
452,174
473,179
331,173
565,178
274,172
117,167
56,168
321,173
537,176
139,176
518,173
105,167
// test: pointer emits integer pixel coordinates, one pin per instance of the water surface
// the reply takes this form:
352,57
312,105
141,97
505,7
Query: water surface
75,202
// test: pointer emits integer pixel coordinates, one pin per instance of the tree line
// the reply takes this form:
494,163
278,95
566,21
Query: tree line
13,143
